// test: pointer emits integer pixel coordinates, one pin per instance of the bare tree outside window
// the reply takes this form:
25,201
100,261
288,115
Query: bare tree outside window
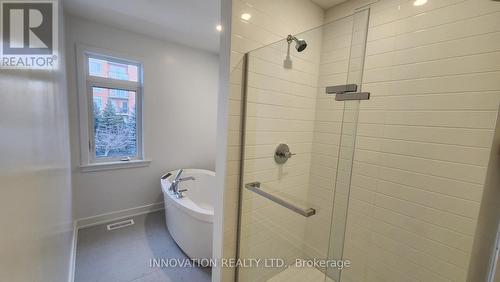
115,133
114,89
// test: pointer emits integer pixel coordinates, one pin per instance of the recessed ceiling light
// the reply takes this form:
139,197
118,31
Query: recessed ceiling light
246,16
218,27
419,2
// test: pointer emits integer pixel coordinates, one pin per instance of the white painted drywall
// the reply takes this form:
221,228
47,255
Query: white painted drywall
35,176
222,135
180,106
185,21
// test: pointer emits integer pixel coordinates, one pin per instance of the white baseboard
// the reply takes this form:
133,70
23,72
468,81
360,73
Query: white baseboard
112,216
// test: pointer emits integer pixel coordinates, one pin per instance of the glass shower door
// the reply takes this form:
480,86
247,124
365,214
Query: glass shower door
347,143
297,155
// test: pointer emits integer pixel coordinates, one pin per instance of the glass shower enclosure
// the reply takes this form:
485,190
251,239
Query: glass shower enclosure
300,112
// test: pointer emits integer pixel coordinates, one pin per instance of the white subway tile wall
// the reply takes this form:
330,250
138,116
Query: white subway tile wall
284,100
278,103
423,139
333,70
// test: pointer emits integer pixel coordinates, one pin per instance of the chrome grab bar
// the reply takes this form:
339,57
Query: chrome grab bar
255,187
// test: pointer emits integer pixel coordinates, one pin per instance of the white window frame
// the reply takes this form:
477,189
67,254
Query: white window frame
88,161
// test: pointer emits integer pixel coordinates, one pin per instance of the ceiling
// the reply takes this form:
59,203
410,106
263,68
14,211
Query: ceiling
326,4
189,22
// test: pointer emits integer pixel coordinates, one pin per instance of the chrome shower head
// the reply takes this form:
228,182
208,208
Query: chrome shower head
300,44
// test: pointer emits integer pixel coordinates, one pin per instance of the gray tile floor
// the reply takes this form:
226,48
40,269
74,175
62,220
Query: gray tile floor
124,254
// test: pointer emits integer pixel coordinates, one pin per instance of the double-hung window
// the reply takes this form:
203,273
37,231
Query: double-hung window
110,96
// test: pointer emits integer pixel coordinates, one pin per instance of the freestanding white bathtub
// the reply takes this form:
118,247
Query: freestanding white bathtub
189,219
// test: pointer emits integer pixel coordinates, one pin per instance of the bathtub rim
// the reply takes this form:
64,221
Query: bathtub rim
185,204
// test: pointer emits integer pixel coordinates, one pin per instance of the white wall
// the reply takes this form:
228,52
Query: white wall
219,223
180,105
35,177
423,138
483,250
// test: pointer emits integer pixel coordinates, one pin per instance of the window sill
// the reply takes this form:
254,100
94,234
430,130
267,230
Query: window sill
114,165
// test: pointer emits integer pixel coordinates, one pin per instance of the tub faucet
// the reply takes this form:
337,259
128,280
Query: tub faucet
179,194
176,177
176,181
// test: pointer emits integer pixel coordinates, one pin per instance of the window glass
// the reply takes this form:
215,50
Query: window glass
96,67
124,108
118,93
115,128
114,70
97,102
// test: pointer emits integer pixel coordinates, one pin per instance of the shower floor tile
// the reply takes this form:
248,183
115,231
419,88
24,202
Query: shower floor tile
123,255
300,274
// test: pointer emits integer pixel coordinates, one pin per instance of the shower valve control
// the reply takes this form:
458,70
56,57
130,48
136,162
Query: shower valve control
282,154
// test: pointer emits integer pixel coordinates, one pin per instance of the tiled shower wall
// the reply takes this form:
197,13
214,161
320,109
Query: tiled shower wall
333,70
423,139
270,22
280,109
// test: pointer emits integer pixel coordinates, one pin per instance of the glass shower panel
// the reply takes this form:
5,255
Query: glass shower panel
293,137
347,143
279,109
